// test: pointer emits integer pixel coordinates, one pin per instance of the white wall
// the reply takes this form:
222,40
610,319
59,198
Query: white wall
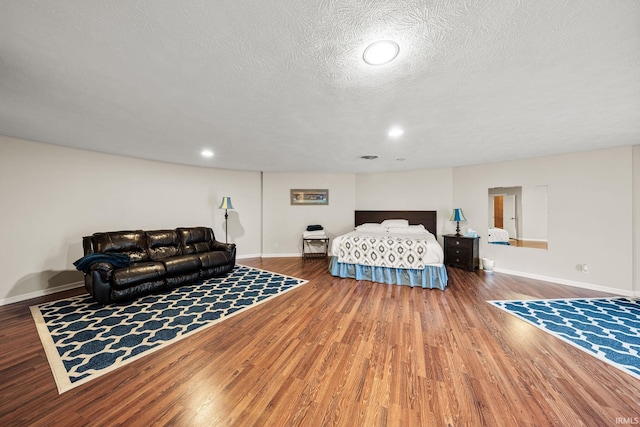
413,190
590,215
535,204
283,224
636,218
51,196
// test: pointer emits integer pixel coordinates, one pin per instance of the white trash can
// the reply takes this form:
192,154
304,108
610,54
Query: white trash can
487,264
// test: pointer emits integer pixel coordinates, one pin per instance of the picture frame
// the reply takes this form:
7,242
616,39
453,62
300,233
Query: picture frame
300,197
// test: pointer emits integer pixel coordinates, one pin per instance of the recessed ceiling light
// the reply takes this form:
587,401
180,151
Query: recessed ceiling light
395,132
369,157
381,52
206,153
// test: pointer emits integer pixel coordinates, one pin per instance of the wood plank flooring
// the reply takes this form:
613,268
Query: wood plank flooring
337,352
529,244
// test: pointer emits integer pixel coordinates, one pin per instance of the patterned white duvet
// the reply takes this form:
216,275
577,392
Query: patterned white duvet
383,249
498,235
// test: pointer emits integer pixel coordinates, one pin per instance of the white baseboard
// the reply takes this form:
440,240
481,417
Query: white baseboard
40,293
249,256
289,255
583,285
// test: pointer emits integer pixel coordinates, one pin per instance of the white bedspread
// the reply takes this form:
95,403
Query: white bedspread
382,249
498,235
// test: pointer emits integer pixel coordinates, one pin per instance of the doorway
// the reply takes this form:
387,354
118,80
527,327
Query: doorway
504,214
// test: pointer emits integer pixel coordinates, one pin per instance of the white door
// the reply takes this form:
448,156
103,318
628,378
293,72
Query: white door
509,209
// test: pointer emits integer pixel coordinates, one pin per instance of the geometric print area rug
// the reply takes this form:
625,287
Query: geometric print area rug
84,340
606,328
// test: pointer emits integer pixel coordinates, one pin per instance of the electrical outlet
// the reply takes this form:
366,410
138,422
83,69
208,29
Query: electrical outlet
583,268
275,245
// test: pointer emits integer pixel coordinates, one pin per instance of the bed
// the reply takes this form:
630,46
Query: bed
498,236
385,250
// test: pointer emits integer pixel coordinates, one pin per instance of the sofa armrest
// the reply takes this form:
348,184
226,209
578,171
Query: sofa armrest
104,269
219,246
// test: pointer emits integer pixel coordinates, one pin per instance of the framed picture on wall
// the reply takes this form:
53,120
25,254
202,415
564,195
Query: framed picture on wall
309,197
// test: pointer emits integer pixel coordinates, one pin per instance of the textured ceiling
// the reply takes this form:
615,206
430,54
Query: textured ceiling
281,86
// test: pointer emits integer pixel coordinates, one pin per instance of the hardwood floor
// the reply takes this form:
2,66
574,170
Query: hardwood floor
529,244
337,352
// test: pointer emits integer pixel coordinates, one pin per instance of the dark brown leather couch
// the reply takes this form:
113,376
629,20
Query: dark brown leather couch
160,260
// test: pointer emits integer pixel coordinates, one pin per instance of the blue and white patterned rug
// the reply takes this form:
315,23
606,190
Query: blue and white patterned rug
606,328
84,340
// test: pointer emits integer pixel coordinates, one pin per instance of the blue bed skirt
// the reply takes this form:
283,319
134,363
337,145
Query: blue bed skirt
429,278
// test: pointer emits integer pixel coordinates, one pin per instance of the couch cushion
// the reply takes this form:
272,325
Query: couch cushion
138,273
132,243
214,258
195,239
182,264
163,244
175,281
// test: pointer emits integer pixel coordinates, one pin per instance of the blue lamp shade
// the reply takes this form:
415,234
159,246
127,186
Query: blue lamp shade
226,203
457,215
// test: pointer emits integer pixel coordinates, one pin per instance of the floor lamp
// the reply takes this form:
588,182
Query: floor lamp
226,204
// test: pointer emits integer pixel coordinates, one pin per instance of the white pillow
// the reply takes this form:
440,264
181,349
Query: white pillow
371,226
395,223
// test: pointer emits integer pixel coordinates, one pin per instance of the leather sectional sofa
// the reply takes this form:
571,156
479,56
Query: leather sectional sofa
157,260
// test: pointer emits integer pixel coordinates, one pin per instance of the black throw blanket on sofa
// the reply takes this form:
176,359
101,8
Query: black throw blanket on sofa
117,260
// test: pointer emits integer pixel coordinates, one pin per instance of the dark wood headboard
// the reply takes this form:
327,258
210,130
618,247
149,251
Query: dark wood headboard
427,218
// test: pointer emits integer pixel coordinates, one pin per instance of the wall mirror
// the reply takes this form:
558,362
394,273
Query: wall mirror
518,216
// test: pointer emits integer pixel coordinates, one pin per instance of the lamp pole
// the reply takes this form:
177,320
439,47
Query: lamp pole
226,226
226,205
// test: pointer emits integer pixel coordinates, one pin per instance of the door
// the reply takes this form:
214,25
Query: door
509,215
498,214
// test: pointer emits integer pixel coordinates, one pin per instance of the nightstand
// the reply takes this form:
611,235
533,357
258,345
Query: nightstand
461,251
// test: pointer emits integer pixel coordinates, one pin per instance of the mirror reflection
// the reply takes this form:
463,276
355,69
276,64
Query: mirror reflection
518,216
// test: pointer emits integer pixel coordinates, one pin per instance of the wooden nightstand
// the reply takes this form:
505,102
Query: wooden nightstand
461,251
